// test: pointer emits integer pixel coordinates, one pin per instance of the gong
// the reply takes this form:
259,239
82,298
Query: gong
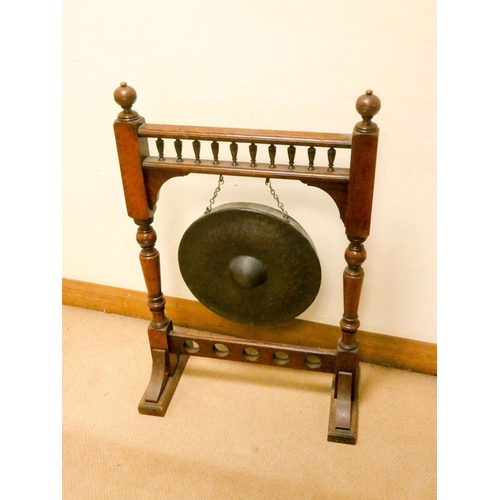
248,264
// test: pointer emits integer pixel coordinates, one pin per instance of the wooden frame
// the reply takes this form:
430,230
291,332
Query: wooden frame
351,189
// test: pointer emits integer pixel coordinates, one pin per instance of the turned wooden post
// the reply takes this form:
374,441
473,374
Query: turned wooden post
131,152
357,222
357,215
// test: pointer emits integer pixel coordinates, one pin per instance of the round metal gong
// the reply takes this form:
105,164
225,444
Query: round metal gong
244,262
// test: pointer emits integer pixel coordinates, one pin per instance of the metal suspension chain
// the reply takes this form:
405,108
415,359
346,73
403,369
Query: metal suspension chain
216,192
280,205
220,183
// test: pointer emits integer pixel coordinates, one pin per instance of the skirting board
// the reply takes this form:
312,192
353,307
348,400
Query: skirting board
386,350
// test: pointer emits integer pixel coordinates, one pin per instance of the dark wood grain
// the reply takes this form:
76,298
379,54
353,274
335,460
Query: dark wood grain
334,183
245,135
225,167
263,352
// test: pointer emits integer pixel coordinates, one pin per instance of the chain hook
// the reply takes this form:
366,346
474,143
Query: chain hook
216,192
286,217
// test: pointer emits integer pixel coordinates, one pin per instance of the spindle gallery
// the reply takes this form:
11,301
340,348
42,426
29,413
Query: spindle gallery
228,257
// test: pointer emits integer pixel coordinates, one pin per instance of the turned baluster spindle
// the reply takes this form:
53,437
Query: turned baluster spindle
160,324
233,147
150,263
196,148
178,149
291,156
160,147
215,152
355,255
272,155
331,158
253,154
311,153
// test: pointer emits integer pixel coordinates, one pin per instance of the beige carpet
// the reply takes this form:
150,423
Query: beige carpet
233,430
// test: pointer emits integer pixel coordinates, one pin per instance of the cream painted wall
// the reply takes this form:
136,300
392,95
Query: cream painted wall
283,64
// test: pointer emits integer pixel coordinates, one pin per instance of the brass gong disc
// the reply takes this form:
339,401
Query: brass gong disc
244,262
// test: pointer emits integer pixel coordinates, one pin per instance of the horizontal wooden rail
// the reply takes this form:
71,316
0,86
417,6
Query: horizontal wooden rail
211,345
280,137
263,170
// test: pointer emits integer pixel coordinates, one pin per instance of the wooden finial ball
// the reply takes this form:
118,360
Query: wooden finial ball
368,105
125,96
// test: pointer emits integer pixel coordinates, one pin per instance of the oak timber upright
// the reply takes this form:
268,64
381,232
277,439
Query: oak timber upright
350,188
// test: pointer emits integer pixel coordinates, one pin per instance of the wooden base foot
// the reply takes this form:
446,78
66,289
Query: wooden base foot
343,424
159,407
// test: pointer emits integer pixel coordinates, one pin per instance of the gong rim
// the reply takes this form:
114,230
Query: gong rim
244,262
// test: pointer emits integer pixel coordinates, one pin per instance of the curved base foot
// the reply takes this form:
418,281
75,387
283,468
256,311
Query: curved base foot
343,424
159,407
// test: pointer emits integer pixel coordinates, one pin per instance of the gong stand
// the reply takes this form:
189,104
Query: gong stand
352,191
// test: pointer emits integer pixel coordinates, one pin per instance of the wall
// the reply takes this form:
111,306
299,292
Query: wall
288,65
